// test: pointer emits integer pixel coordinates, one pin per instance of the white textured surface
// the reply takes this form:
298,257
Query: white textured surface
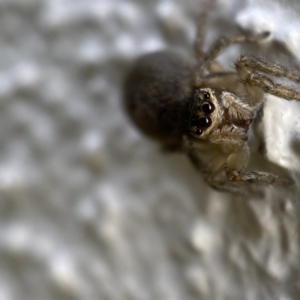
90,209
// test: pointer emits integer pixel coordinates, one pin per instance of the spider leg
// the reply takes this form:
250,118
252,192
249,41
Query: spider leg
250,71
236,164
216,79
201,28
261,81
228,81
252,64
224,42
210,172
223,186
259,178
216,167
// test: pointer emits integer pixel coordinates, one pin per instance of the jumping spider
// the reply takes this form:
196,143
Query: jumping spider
198,108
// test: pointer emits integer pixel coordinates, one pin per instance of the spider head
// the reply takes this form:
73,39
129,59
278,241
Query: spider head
204,113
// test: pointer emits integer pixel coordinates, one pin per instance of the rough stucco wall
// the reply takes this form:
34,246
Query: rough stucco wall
90,209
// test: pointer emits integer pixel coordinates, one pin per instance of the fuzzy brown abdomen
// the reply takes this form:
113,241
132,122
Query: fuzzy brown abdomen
157,94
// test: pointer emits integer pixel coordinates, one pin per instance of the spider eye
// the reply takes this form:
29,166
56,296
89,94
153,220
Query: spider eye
207,107
198,131
206,95
204,122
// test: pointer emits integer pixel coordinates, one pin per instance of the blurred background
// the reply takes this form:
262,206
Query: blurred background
91,209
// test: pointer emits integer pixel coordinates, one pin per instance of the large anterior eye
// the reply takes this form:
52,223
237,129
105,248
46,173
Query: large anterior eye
207,107
204,122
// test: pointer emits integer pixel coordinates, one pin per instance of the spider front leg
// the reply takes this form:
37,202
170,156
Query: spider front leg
252,63
258,80
210,171
250,71
236,164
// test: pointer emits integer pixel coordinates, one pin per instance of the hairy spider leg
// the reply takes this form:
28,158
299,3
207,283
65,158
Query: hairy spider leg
222,43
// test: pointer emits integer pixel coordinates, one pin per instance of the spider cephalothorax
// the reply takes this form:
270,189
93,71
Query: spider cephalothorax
213,110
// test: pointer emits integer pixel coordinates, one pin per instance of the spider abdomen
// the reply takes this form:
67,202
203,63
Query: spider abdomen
157,94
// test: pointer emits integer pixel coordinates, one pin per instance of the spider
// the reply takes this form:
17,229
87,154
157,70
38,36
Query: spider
197,107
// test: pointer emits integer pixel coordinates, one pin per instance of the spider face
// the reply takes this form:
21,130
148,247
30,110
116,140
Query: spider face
205,113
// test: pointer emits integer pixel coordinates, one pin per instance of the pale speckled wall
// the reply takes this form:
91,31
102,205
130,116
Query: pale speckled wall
89,208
